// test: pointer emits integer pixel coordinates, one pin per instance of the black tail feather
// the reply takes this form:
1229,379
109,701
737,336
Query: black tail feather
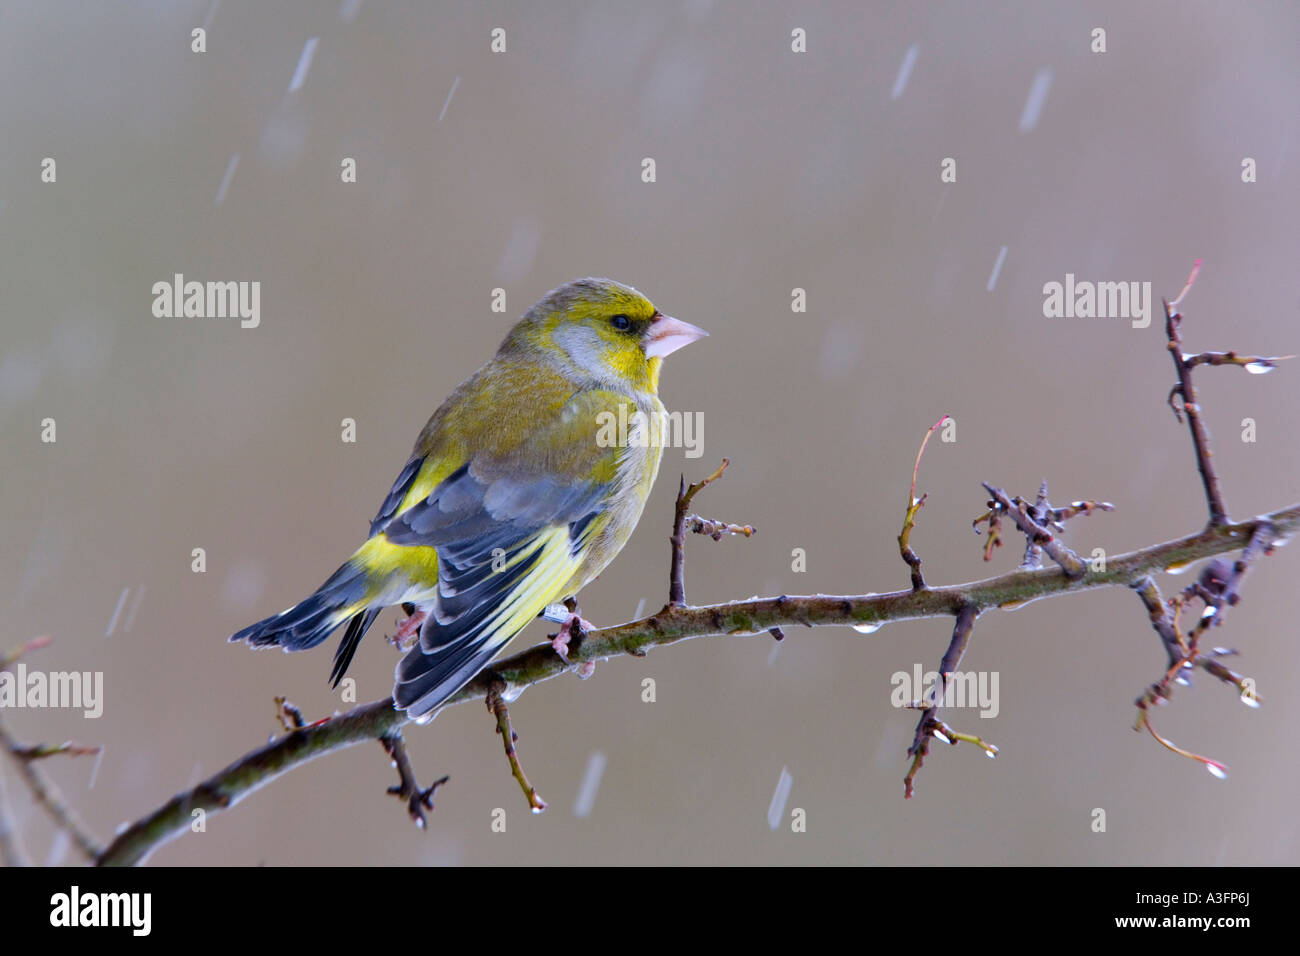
309,622
357,628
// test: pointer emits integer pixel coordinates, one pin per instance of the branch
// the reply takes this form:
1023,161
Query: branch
1256,364
11,847
496,704
677,622
676,582
1187,393
48,795
1217,587
252,771
45,791
929,725
1161,619
914,504
417,799
1039,537
669,626
36,643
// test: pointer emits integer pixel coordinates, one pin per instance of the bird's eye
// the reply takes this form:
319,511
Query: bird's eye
621,322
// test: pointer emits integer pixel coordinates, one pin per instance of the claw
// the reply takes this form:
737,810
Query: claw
574,628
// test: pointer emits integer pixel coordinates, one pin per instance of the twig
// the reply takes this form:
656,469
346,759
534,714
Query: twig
497,706
11,847
42,788
49,796
716,529
1039,512
1262,540
914,504
676,569
1258,364
36,643
993,519
1144,722
1191,280
408,788
1038,535
1220,585
928,724
1187,394
288,714
40,751
1055,519
1217,587
1215,668
1085,508
961,632
1161,619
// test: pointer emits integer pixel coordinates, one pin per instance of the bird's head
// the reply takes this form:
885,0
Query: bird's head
605,329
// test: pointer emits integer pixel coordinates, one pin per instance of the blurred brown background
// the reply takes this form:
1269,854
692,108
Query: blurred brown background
775,170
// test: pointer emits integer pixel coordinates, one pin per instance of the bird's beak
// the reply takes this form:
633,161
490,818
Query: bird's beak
666,335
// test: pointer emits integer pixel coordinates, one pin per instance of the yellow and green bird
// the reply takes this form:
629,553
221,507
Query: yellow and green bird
514,498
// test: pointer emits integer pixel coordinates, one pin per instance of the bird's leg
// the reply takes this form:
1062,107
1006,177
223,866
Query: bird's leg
410,627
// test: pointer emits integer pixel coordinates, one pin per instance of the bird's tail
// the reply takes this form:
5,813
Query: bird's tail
307,623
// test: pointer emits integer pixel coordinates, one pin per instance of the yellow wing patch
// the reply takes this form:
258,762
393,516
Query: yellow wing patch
543,585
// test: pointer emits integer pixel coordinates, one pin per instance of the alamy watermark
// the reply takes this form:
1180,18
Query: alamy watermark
977,689
1101,300
208,300
79,690
630,428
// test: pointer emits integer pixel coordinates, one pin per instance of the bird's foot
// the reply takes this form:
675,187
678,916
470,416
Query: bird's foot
574,629
409,629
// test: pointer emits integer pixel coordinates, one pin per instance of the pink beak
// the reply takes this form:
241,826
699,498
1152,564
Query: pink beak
666,335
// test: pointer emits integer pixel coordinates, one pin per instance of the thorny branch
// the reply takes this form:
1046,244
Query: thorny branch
671,625
1219,582
1216,589
1039,537
1036,521
1043,514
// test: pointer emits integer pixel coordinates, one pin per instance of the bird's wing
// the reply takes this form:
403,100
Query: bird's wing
398,492
510,528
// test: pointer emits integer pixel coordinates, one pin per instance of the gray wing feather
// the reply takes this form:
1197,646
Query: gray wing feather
484,533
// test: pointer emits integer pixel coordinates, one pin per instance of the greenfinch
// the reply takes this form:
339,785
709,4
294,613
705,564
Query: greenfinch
514,497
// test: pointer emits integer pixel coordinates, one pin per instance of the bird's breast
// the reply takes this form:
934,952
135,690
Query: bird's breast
638,466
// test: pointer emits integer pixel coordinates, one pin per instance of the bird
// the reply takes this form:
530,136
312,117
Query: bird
517,494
